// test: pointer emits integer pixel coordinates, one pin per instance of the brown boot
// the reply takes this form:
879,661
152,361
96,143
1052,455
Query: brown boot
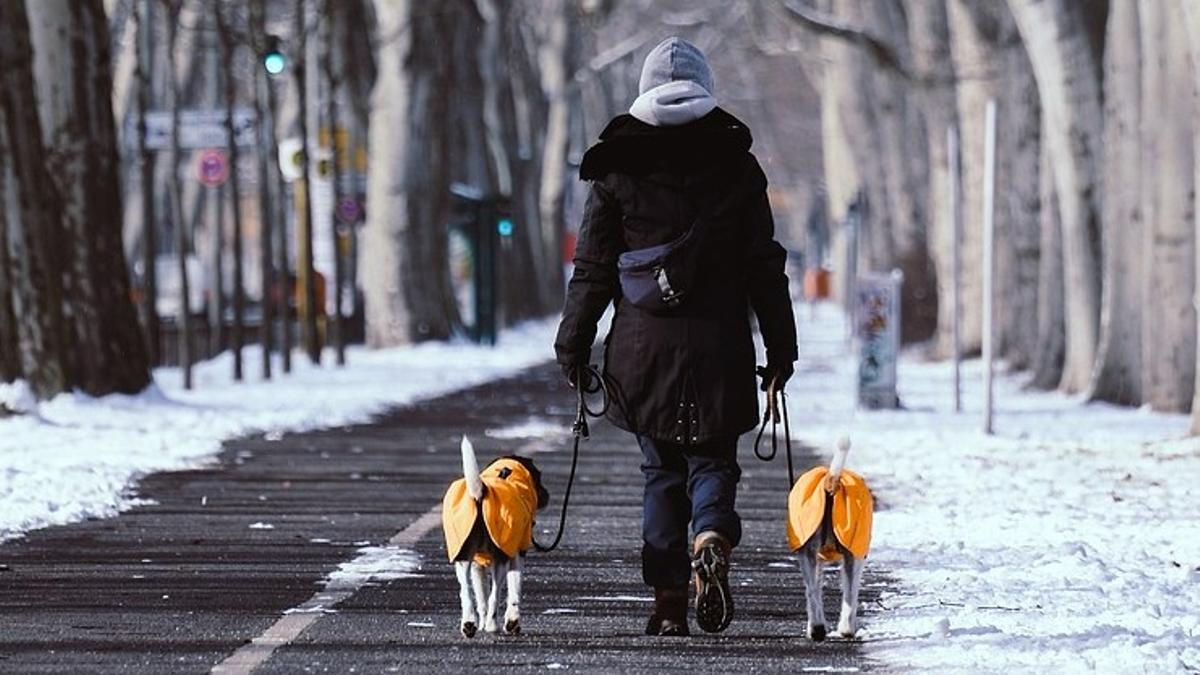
710,561
670,612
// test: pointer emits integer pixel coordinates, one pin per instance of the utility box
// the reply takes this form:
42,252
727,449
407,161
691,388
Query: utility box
478,225
877,333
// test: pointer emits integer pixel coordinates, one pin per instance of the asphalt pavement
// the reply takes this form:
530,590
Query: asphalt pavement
215,558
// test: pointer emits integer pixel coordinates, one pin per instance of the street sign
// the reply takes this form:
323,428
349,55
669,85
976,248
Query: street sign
198,129
877,327
349,210
212,169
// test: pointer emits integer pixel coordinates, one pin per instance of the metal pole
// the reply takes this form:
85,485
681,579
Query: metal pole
145,55
956,261
181,233
266,213
989,261
337,326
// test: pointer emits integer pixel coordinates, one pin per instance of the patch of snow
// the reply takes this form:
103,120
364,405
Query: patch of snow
532,428
261,526
560,610
1067,541
78,457
420,624
374,563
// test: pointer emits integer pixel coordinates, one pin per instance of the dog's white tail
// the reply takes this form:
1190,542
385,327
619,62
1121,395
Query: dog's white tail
839,459
471,470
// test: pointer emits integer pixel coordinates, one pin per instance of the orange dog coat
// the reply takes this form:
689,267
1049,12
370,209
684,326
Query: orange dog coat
509,505
853,509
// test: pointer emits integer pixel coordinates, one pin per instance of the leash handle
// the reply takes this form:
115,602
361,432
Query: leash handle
588,380
772,415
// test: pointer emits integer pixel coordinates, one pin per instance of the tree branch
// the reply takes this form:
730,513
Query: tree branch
883,53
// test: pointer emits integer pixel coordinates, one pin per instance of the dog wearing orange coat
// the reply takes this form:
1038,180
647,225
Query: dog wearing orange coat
829,519
488,518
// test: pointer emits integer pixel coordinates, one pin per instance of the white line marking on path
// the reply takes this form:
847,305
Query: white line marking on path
295,620
256,652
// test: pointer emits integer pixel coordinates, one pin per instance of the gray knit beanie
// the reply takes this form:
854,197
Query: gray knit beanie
672,60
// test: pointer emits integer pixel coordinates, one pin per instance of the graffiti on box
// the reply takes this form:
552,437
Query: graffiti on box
877,320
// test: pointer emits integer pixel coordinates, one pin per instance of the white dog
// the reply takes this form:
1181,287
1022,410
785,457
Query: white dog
488,520
829,518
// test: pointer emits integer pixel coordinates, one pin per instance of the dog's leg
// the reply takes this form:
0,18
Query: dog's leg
810,566
467,625
477,582
512,614
494,574
851,576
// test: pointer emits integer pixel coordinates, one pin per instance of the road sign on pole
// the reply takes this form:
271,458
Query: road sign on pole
198,129
212,169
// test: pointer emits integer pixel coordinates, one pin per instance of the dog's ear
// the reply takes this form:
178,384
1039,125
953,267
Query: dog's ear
543,494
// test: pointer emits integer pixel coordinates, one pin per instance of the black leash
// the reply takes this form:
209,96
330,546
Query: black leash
588,380
772,415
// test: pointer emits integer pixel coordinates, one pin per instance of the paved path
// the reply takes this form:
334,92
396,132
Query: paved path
180,584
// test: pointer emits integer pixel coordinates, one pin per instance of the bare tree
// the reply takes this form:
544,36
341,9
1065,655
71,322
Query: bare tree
227,37
265,150
1117,376
29,213
404,254
71,68
330,66
1168,202
1065,65
307,275
146,167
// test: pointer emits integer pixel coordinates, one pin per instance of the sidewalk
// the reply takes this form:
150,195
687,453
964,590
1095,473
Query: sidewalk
222,554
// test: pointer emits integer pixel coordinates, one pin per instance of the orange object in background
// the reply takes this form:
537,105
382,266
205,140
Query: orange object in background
816,283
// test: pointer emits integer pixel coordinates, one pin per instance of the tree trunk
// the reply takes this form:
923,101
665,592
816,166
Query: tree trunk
308,274
1118,373
1051,333
331,65
10,355
146,170
557,60
406,276
182,238
31,218
1061,53
1169,328
1191,22
71,64
929,34
990,64
226,36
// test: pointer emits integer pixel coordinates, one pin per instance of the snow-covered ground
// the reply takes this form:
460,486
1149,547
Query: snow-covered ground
75,457
1068,541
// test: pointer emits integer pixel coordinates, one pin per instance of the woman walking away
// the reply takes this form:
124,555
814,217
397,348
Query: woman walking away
677,233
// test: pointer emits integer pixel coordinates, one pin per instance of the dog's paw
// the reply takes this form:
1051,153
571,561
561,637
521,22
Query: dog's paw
491,626
512,626
846,628
468,629
816,633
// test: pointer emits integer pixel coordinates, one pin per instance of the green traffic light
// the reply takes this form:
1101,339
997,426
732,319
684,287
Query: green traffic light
505,227
274,62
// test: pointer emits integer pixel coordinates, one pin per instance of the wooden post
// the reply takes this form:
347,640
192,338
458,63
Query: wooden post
956,260
989,260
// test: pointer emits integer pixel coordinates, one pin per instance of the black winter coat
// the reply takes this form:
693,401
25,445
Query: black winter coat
686,377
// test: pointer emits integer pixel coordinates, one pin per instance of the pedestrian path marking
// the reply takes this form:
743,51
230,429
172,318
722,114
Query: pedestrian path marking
295,620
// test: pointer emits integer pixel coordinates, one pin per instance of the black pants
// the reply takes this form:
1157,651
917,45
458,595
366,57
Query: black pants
696,483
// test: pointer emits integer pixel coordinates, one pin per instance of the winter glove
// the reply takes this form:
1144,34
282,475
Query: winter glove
779,373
